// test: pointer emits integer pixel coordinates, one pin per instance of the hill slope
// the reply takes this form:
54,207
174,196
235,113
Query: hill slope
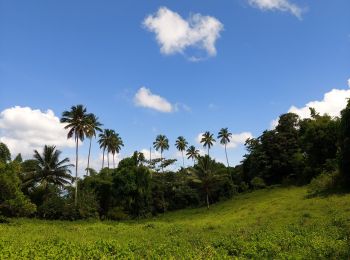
272,223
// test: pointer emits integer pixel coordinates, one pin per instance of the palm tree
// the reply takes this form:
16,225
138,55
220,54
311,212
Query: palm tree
161,143
76,121
208,140
92,127
103,141
115,144
192,153
225,137
181,145
49,169
207,176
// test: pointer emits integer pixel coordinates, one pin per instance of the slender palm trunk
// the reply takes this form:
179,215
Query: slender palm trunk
108,159
208,151
103,158
76,172
113,162
228,165
207,199
161,159
88,164
183,159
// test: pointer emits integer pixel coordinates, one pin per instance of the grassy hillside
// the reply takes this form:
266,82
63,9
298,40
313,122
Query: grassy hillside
272,223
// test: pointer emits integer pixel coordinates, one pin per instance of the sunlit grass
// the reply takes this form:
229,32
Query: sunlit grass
271,223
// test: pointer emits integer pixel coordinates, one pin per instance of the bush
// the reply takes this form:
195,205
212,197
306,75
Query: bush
323,183
257,183
117,213
13,203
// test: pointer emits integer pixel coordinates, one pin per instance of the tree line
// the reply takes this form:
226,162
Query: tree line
297,152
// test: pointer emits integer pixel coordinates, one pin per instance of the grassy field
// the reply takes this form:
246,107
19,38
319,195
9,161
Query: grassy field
273,223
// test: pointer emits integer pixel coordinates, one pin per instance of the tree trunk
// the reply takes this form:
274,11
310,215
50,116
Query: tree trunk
208,151
88,164
161,159
108,159
76,172
183,158
103,158
113,162
228,165
207,200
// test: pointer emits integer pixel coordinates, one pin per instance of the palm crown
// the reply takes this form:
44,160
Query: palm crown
208,140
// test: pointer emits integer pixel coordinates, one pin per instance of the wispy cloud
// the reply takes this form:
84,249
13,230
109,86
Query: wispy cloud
278,5
175,34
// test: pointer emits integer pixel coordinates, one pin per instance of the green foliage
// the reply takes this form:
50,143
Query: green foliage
257,183
344,138
323,183
5,154
275,223
12,201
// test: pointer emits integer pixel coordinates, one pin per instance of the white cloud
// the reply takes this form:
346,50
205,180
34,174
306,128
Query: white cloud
349,83
154,153
280,5
199,138
332,103
145,98
238,139
175,34
24,129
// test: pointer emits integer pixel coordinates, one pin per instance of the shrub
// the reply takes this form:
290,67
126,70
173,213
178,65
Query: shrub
117,213
323,183
258,183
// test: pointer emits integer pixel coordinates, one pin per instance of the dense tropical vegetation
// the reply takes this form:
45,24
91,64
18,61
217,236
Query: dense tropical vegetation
297,151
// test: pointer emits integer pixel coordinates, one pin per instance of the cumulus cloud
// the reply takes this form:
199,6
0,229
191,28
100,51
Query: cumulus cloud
175,34
332,104
238,139
145,98
280,5
154,153
24,129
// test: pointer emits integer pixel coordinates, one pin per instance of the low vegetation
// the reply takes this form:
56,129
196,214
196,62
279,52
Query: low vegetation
279,223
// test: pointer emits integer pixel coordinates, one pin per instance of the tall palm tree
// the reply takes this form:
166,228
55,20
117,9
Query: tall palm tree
181,145
114,145
225,137
49,169
92,127
76,121
192,153
161,143
104,140
208,140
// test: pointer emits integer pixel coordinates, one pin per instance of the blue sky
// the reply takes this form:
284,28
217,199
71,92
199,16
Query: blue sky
270,55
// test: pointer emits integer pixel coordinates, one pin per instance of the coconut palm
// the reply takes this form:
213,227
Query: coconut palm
161,143
115,144
49,169
76,121
192,153
92,127
207,176
225,137
181,145
104,140
208,140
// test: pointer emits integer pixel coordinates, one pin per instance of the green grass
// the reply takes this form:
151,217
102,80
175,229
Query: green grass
278,223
